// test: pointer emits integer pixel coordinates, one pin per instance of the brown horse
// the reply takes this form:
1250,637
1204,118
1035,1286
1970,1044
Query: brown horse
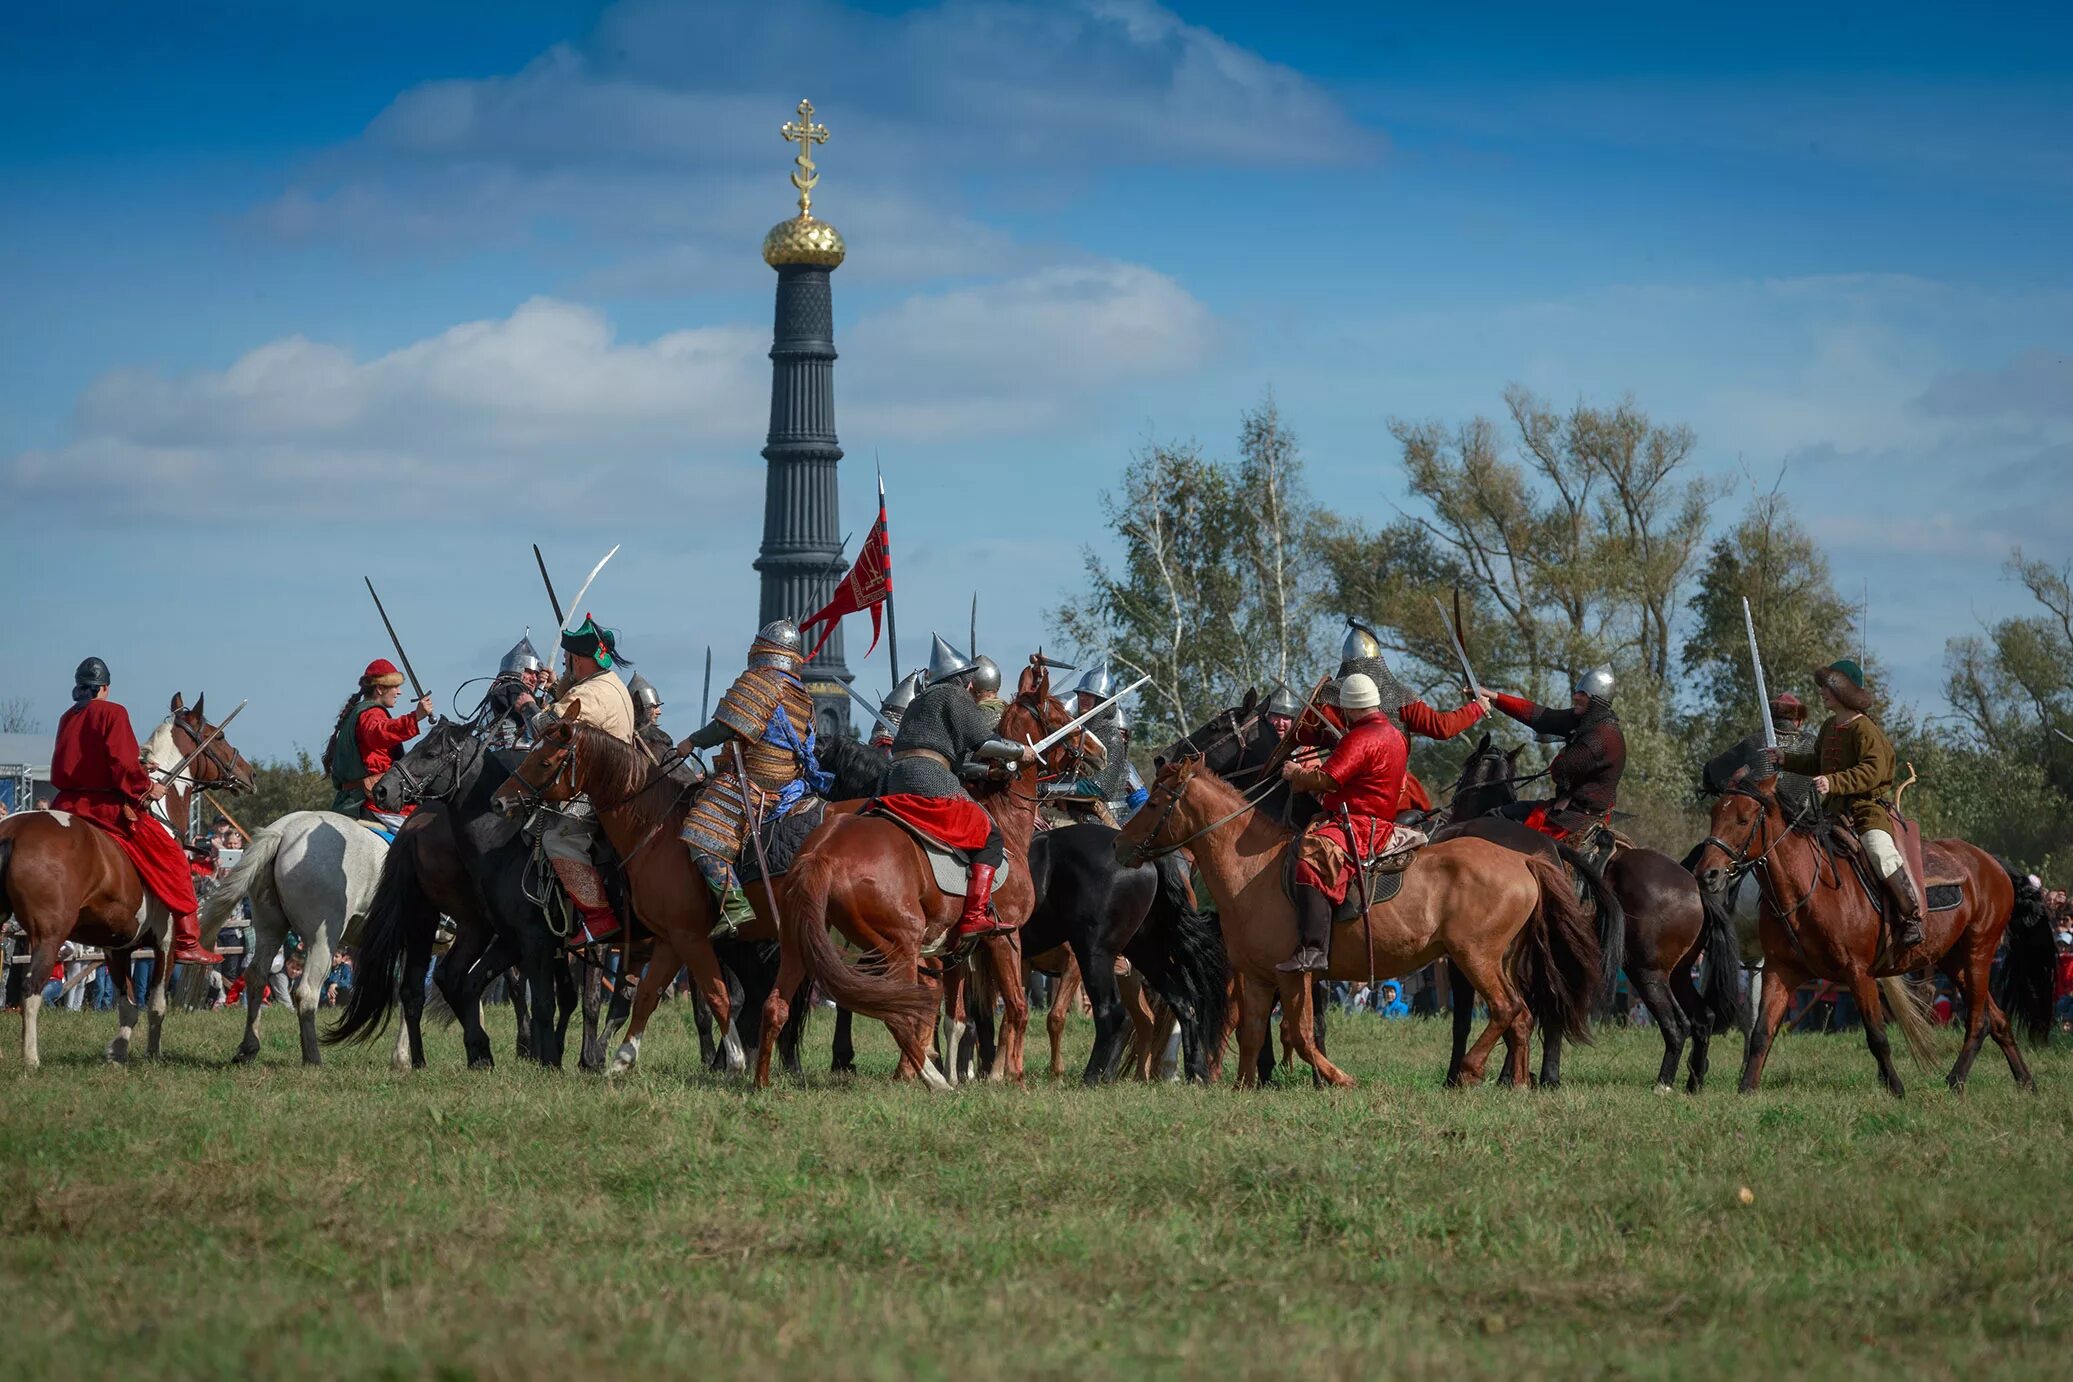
1820,921
866,877
1509,921
64,879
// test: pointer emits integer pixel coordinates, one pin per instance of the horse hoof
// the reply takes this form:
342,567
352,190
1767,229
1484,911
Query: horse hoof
244,1055
1957,1086
482,1063
1664,1088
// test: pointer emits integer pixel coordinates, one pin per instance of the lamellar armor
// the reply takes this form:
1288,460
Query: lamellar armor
769,711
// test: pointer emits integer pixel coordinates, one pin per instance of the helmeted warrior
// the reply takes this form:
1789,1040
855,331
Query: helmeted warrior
1362,652
591,694
1360,784
1789,718
1586,773
1109,778
1851,763
769,713
940,738
894,705
1282,708
364,741
512,696
647,717
98,773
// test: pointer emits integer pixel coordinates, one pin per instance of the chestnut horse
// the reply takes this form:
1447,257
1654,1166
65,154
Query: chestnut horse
866,876
1819,922
1509,921
64,879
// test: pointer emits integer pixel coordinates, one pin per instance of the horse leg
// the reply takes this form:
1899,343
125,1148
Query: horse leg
592,1056
1098,972
1063,995
1780,979
1255,1002
122,972
1296,1032
1866,990
708,1048
309,991
953,1022
1697,1019
266,942
1004,961
410,997
160,998
1653,989
1485,975
660,973
777,1011
43,958
568,989
1461,1001
469,968
842,1060
1979,1015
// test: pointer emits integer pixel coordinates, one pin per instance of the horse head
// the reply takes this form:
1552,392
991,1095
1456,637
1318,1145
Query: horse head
1035,713
219,766
1746,824
1153,829
438,766
547,777
1231,740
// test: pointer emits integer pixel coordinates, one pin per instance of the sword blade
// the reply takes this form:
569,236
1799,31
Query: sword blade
705,700
548,581
1763,693
576,606
395,642
1076,721
1475,687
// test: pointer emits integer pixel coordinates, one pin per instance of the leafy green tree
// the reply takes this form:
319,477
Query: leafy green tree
283,786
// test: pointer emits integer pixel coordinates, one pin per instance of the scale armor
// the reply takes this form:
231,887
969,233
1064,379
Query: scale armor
1362,652
718,821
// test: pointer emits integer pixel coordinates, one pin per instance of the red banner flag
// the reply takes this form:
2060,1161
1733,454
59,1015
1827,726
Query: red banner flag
867,586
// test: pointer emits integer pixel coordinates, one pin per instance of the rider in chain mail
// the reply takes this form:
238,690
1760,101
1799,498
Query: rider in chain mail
512,696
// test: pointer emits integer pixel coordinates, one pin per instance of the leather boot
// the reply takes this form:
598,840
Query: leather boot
594,918
187,942
1907,909
978,919
1313,933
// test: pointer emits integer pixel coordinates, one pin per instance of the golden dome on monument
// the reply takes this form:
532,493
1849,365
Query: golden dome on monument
805,239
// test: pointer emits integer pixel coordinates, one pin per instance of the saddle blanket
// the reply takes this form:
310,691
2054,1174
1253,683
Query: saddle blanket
949,865
781,840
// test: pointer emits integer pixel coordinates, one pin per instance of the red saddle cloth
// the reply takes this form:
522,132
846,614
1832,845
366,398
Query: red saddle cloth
160,862
958,822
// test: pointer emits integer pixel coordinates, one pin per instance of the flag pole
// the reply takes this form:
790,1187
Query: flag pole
892,628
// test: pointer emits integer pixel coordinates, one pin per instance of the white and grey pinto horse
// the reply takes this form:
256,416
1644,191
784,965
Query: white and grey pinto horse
310,872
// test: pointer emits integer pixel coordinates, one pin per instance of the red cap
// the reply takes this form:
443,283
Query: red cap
382,671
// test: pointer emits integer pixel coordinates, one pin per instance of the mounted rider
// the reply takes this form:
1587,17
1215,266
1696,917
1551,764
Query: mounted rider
591,694
98,773
513,696
1361,651
1851,763
1789,718
647,717
1586,773
1361,784
364,741
1109,778
894,706
939,742
769,713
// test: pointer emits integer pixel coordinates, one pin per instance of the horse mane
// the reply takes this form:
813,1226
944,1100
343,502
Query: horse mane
856,767
615,769
157,749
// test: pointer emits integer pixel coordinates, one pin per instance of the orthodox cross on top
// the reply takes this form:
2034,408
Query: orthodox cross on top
805,134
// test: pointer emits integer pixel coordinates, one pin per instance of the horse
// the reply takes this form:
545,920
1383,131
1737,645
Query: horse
1822,919
866,876
454,855
1668,928
310,872
65,879
1495,913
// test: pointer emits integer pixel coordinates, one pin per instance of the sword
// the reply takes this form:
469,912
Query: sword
395,642
1044,744
869,709
1475,687
972,643
705,699
548,581
211,737
1763,695
576,608
755,825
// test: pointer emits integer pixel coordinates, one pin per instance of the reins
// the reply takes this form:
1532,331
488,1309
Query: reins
1147,852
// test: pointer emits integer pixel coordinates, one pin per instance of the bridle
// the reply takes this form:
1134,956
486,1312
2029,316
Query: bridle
1185,769
1740,863
208,741
453,755
1233,728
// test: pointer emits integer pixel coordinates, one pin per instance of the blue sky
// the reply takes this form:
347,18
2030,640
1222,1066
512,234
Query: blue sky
400,290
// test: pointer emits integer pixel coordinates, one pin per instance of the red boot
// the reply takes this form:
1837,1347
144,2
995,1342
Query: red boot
187,942
593,924
978,920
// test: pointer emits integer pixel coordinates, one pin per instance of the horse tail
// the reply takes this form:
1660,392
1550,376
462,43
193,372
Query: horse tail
1612,922
1556,960
2024,986
1910,1008
384,943
803,927
1721,955
233,887
1190,972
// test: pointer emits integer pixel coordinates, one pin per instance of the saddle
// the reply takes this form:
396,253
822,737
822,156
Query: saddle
781,840
950,865
1383,873
1938,879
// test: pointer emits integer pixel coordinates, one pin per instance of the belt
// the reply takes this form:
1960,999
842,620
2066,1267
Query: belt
930,754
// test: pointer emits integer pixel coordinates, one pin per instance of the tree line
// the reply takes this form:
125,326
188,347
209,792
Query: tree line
1572,538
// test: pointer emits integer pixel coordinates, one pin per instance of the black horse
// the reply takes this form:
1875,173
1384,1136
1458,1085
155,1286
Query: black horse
1668,928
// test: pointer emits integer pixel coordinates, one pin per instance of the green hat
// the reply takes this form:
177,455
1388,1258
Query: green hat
1845,680
589,639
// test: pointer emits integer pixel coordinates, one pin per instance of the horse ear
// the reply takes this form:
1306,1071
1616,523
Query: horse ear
1483,746
179,703
1512,756
199,702
1245,707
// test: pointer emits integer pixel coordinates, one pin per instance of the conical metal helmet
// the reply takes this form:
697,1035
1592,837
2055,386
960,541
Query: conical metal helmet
1283,702
1097,682
900,697
778,645
1359,644
945,662
523,657
645,696
986,675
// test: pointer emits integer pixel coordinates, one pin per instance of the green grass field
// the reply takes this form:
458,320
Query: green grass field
187,1218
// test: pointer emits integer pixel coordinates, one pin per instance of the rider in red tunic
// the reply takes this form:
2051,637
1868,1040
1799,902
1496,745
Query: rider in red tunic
99,776
1361,785
357,760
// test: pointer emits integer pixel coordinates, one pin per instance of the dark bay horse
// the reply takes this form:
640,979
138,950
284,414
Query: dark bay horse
65,879
1820,920
1668,928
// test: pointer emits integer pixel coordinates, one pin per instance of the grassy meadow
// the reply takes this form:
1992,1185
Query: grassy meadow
189,1219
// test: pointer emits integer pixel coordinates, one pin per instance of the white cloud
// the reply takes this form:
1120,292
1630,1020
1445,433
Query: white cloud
548,406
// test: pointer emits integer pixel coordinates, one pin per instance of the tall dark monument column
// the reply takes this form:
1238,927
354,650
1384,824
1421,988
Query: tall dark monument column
801,556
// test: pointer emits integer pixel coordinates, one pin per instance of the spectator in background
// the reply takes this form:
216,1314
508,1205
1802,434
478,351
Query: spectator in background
2062,978
1391,1004
338,987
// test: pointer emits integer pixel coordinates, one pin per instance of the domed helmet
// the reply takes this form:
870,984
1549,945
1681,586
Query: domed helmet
1597,685
645,696
1283,702
945,662
1359,644
986,675
778,645
523,657
92,673
1097,681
